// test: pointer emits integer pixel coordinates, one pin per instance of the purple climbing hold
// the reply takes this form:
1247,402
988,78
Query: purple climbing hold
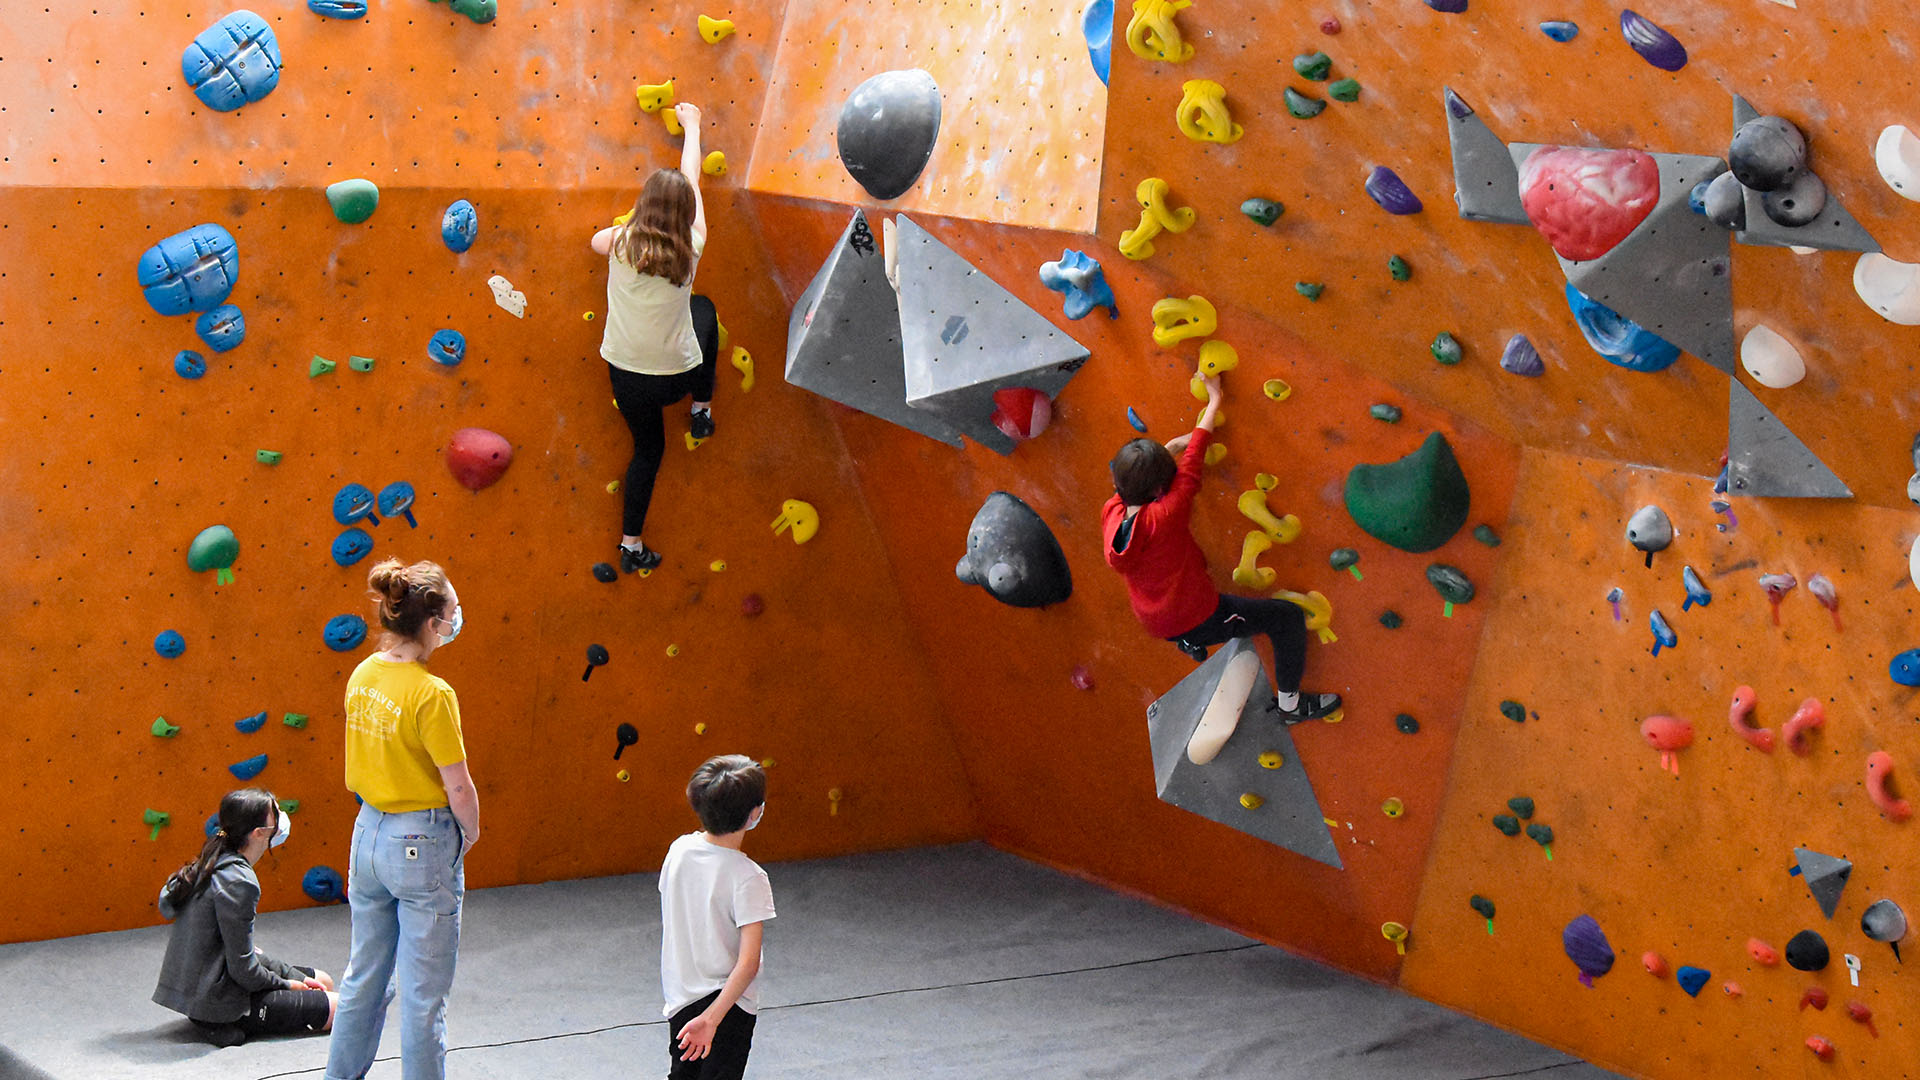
1451,7
1457,105
1655,46
1587,947
1521,358
1385,187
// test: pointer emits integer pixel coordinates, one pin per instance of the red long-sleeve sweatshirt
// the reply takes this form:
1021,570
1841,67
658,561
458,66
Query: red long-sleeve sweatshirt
1165,571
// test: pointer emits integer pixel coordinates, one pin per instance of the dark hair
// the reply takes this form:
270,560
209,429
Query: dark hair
241,812
406,597
724,792
1142,472
658,239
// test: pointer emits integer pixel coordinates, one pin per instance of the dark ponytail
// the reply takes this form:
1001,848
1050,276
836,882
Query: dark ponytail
241,812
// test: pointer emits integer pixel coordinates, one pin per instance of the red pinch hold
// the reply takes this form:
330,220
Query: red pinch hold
1821,1048
1862,1015
1815,996
1880,787
1743,702
1811,714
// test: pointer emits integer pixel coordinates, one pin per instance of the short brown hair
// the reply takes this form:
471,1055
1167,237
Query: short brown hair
658,239
1142,472
724,790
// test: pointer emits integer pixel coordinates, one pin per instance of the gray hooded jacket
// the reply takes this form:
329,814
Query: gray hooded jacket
212,970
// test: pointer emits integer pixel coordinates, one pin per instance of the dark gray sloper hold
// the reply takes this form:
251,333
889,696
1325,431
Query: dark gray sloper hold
1767,153
887,130
1013,555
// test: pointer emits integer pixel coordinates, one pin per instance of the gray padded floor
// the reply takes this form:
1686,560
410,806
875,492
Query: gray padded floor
953,962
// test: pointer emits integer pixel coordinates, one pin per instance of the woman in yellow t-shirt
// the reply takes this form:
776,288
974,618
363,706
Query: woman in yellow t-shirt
419,816
662,341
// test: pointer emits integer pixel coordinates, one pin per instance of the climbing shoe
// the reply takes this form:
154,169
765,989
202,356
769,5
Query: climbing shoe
642,559
1312,707
702,424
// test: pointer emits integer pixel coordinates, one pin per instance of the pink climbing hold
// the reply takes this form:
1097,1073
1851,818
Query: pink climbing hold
1763,954
1811,714
1880,787
478,457
1082,677
1743,702
1667,734
1021,413
1585,201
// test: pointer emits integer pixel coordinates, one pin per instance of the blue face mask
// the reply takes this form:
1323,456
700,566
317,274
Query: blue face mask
454,626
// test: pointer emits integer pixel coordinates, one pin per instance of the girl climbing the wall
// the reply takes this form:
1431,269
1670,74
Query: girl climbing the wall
419,816
662,341
213,973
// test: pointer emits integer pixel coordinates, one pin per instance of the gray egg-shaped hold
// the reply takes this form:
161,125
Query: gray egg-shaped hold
1884,921
1725,202
1916,451
1767,153
1013,555
887,131
1649,529
1913,489
1798,203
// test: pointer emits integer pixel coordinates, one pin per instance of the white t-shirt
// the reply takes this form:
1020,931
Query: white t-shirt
707,893
649,323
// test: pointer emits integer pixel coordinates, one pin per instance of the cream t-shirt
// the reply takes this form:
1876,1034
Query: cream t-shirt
707,893
649,324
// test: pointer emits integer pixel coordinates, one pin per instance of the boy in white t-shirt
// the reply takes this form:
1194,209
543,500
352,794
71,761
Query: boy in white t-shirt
714,902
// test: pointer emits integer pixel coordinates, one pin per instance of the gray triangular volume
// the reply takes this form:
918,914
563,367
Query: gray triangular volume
1826,877
843,338
964,336
1288,814
1673,274
1765,460
1486,186
1834,230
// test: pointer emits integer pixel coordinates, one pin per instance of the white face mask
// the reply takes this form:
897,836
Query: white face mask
454,625
285,830
754,819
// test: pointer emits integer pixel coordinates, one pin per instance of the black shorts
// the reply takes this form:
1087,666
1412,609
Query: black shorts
727,1058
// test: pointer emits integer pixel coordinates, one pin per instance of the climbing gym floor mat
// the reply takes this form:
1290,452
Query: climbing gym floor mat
960,961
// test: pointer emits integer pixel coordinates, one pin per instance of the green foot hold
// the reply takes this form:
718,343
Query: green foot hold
1303,107
1315,66
362,364
294,720
1415,504
480,11
1388,413
1262,211
1486,535
155,820
289,806
1309,289
267,457
1398,267
320,366
1514,711
1344,90
1445,348
163,729
353,201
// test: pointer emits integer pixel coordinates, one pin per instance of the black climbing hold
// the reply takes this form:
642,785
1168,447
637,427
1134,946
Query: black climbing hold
1450,582
1481,905
1767,153
1390,619
887,131
624,736
1013,555
1796,203
605,572
1341,558
1807,951
1262,211
1514,711
1522,807
1486,535
1507,823
1407,724
1540,834
596,656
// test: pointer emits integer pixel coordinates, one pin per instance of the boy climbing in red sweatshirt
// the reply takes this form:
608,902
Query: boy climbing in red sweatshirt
1147,539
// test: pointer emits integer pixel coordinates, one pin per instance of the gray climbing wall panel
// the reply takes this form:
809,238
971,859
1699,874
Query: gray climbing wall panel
1290,814
964,336
1766,460
1834,230
843,338
1486,183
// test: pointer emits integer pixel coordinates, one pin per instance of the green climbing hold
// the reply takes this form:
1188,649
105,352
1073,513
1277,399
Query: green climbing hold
1390,619
362,364
1309,289
1481,906
294,720
289,806
267,457
320,366
1445,349
163,729
155,820
1398,267
1315,66
1383,411
1415,504
1522,807
480,11
215,548
1341,558
1541,834
1262,211
1407,724
1514,711
1507,823
1303,107
1486,535
353,201
1345,90
1450,582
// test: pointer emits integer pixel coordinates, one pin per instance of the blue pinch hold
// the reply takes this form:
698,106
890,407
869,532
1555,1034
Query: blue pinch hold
448,347
1133,418
248,769
223,328
345,632
1663,635
1697,591
1097,24
1560,29
1078,278
169,644
1905,668
1691,979
1619,339
352,546
324,885
397,498
189,364
250,724
353,505
459,225
234,62
192,270
339,9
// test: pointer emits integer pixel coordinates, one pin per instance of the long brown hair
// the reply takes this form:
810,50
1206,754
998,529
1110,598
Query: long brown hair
406,597
658,239
241,812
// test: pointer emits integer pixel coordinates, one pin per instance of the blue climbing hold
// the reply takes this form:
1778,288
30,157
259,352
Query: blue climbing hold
1619,339
213,824
448,347
397,498
324,884
459,225
352,546
234,62
1097,24
1697,591
192,270
1697,198
248,769
1691,979
1663,635
339,9
1079,279
345,632
169,644
353,505
1133,418
250,724
1560,29
222,329
1905,668
189,364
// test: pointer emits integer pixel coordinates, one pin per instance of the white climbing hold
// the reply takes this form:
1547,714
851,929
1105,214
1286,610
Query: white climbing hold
1913,562
512,300
1889,286
1771,359
1898,156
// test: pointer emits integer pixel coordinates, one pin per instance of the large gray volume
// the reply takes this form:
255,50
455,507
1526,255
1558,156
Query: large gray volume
1764,459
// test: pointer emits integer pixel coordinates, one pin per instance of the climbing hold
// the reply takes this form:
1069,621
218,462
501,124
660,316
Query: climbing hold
714,164
1667,734
1655,46
596,656
1807,951
1344,90
1858,1012
352,546
1697,591
1097,26
1650,530
1614,596
1522,807
506,297
1777,586
1276,389
354,504
163,729
1767,153
1316,66
887,131
1883,921
1386,189
1445,348
798,516
1393,808
1797,203
192,270
1663,635
1390,619
623,776
1586,200
1216,453
1521,358
1133,418
324,885
1486,535
1081,283
1309,289
1452,585
1889,287
1619,339
155,820
714,31
344,632
1262,211
1155,215
1450,7
1586,945
477,457
1691,979
1771,359
1319,620
1724,202
248,769
169,644
294,720
1826,877
480,11
1905,668
605,573
1399,268
1251,801
1271,759
216,549
1507,823
1253,505
234,62
1153,35
247,725
353,201
1655,964
362,364
338,9
1560,30
222,329
1880,787
1013,555
1346,559
1762,953
1202,114
1513,711
751,605
1330,26
1176,320
1082,679
1406,724
397,498
1897,155
319,366
1823,591
1416,503
1021,412
1246,574
1216,358
189,364
459,225
742,362
653,97
1301,106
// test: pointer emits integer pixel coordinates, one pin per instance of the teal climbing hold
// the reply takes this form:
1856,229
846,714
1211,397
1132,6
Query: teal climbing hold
1445,348
353,201
1309,289
1398,267
1316,66
1507,823
1415,504
480,11
1522,807
1390,619
1345,90
1303,107
1383,411
1486,535
1514,711
1262,211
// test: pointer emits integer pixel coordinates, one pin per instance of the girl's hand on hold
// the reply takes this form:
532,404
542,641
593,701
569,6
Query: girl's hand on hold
688,113
1212,383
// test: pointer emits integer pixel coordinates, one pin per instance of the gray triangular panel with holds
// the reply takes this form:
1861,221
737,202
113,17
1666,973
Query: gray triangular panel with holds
843,338
965,336
1766,460
1290,814
1826,877
1486,183
1834,230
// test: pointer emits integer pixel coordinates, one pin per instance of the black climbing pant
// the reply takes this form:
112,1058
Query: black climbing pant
1284,623
642,399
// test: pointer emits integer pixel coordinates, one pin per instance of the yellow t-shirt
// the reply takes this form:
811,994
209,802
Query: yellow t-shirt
403,724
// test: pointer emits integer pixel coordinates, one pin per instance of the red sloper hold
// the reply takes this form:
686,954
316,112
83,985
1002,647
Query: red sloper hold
477,457
1880,787
1020,412
1585,201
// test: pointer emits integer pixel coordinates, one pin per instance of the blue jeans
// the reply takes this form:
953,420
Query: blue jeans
405,884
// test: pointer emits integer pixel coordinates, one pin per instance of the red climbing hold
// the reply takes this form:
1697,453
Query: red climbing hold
1667,734
1815,997
1021,413
1862,1015
1330,26
1655,964
1743,701
1821,1048
1763,954
1811,714
477,457
1585,200
751,605
1082,677
1880,787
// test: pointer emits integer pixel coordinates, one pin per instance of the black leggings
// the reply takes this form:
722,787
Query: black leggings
727,1057
641,399
284,1012
1284,623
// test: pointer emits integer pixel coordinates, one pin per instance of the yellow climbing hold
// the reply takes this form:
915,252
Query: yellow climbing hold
699,729
1216,358
587,316
724,336
672,120
1176,320
714,31
1271,759
1202,114
1396,933
1155,215
1247,575
1153,35
1277,389
800,517
715,164
1393,808
833,802
717,566
743,363
1319,611
673,650
1252,801
655,96
613,487
1216,452
623,776
1283,530
1265,481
